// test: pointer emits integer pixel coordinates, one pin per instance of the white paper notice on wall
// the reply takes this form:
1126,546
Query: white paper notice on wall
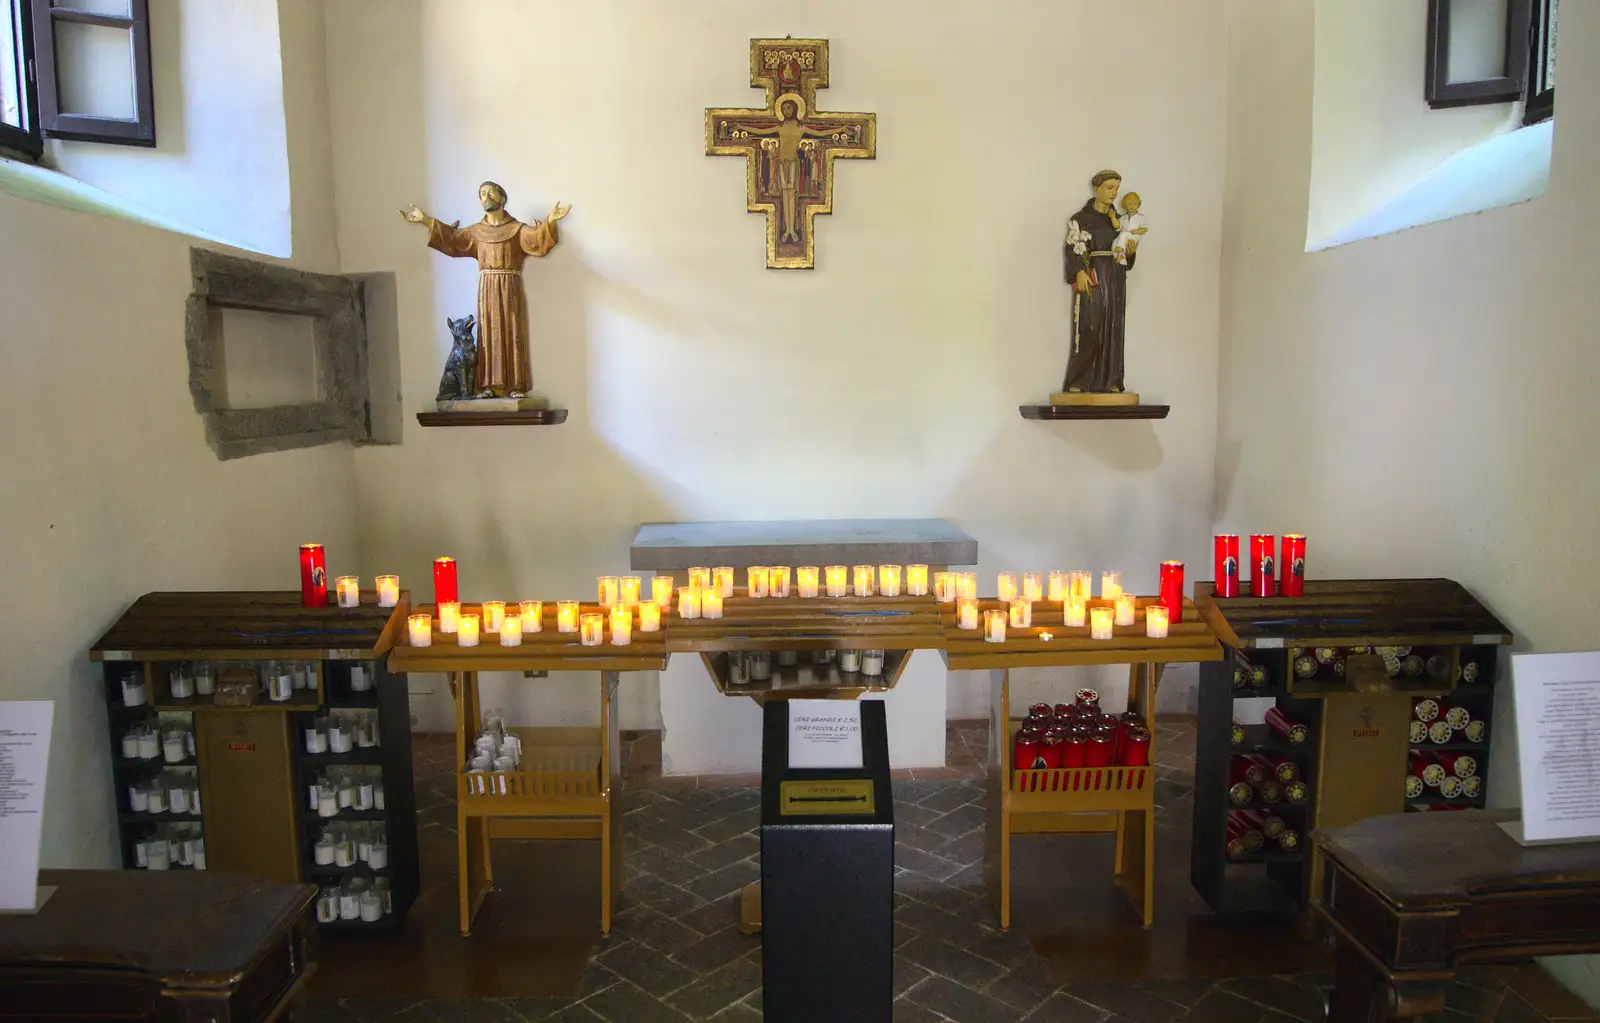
825,734
1558,744
24,757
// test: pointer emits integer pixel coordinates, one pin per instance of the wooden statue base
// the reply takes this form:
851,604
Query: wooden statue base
1094,398
515,417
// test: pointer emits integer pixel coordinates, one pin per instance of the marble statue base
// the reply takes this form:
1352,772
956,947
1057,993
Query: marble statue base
1095,398
527,403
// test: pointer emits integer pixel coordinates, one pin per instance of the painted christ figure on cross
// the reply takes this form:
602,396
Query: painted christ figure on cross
789,146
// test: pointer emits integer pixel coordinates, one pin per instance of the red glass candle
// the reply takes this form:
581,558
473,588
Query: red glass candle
1075,748
1225,564
1049,756
1039,712
1026,751
1101,750
1172,590
1135,747
444,580
313,576
1263,567
1293,581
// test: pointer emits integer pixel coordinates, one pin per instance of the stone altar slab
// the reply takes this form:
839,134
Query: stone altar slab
674,546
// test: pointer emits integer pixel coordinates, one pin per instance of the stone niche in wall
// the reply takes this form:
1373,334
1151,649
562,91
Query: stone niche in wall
279,358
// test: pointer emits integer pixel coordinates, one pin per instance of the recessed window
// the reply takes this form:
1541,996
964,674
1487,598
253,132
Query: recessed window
267,359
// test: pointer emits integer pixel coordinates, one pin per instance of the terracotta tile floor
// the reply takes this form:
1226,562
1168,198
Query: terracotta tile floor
1075,952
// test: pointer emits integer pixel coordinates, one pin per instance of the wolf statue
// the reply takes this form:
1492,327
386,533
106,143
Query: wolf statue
461,367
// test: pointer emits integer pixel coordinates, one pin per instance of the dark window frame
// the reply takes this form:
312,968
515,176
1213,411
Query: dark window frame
1541,93
141,129
28,140
1509,87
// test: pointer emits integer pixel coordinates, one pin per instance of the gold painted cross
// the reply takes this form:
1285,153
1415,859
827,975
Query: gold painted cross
789,146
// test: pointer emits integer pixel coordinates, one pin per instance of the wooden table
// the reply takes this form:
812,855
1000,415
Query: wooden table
1411,897
135,945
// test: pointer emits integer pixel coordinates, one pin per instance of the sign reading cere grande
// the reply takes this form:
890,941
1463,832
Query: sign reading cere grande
24,756
1558,744
825,735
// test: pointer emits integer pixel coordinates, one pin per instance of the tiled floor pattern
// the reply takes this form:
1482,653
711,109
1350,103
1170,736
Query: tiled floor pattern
675,953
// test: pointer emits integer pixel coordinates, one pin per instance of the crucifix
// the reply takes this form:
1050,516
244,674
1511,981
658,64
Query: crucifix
789,145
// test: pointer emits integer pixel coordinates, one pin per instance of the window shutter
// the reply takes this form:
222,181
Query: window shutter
1506,87
49,20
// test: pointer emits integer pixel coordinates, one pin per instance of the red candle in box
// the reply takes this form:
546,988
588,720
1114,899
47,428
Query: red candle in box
1049,756
1293,581
1172,590
1025,753
1263,565
444,580
1225,564
1134,749
1075,748
313,576
1101,749
1088,698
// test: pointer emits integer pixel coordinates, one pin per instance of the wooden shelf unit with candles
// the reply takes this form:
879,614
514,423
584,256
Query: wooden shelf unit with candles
1117,800
1360,748
569,783
250,764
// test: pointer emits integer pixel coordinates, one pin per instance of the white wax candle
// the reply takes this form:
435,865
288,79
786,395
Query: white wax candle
421,629
1110,585
348,587
722,580
1057,592
449,616
994,626
1021,614
944,587
757,578
511,632
531,617
649,616
592,629
1032,586
689,601
1127,608
917,580
621,625
494,615
1155,621
863,580
1005,586
630,590
700,578
609,588
889,580
467,631
388,590
1080,585
967,585
778,580
1074,613
711,603
838,580
661,590
566,616
1100,623
806,580
966,614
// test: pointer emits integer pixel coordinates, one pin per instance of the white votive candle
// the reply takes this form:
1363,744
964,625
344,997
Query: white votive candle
1100,623
1005,587
388,590
1074,613
967,585
592,629
994,626
700,577
917,580
1021,614
649,616
494,615
1057,591
1080,585
511,632
1127,608
838,580
689,601
711,603
757,578
531,616
966,614
467,631
722,580
806,579
863,580
661,590
1032,586
889,580
944,587
566,616
609,588
621,625
449,616
778,580
1155,621
630,590
348,587
1110,585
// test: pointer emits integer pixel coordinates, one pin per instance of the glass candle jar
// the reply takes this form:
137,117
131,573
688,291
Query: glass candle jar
1032,586
530,616
944,587
1080,585
1056,590
760,664
872,662
863,577
511,632
994,626
967,585
806,580
757,579
1021,613
205,679
388,590
649,616
700,578
630,590
133,694
661,590
467,631
738,668
566,616
966,614
837,579
449,616
610,590
1100,623
722,580
889,580
1127,608
1006,586
621,625
689,602
1155,621
1110,585
778,580
419,629
850,660
711,603
917,580
1075,613
348,588
592,629
494,615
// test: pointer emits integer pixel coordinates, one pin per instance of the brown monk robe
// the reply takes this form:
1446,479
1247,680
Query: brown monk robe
499,242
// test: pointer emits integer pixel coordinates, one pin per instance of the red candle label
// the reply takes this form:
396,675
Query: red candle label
1225,565
1263,565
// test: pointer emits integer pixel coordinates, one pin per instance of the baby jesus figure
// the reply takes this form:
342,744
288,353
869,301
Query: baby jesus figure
1133,227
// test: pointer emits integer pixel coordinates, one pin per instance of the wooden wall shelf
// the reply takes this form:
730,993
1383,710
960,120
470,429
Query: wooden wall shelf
527,417
1094,411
